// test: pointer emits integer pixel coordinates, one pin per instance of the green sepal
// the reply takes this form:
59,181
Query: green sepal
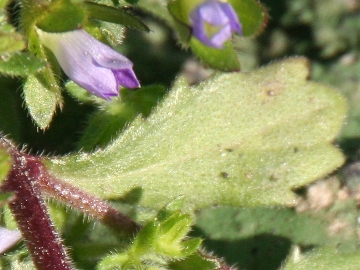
224,59
54,19
158,244
252,15
171,233
181,9
21,64
115,15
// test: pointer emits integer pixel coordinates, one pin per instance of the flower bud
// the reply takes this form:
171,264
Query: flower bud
213,23
91,64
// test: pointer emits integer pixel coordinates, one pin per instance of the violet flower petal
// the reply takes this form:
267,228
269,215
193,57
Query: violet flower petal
90,63
217,16
8,238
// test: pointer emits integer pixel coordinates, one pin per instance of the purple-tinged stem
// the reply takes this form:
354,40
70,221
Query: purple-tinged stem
31,214
88,204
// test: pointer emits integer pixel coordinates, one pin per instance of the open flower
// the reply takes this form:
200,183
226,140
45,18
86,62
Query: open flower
91,64
8,238
214,22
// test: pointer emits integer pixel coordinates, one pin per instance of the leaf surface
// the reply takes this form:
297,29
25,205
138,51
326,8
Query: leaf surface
238,139
41,100
322,258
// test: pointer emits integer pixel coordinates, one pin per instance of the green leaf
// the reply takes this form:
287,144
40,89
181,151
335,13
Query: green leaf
41,100
112,118
115,15
322,258
234,233
5,164
159,243
18,259
198,262
20,64
223,59
239,223
237,139
52,19
11,42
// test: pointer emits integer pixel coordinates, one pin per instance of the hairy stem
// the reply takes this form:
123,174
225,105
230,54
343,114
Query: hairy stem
31,214
88,204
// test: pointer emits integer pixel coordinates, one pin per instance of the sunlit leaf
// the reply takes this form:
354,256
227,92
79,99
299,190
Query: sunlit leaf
20,64
41,100
238,139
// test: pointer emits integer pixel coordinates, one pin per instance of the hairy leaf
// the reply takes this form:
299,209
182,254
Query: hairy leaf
20,64
40,100
238,139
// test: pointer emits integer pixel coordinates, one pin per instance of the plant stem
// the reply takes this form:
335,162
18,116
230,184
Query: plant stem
31,214
88,204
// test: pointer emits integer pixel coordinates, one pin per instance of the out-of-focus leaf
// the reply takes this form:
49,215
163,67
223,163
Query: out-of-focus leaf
10,42
16,260
238,139
5,163
10,106
115,15
234,233
20,64
322,258
229,223
52,19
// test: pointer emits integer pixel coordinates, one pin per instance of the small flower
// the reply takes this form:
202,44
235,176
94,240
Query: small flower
91,64
8,238
214,22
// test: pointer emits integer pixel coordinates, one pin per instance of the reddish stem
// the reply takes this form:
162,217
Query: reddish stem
88,204
31,214
28,180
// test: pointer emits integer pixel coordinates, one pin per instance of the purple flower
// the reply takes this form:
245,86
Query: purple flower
91,64
214,22
8,238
